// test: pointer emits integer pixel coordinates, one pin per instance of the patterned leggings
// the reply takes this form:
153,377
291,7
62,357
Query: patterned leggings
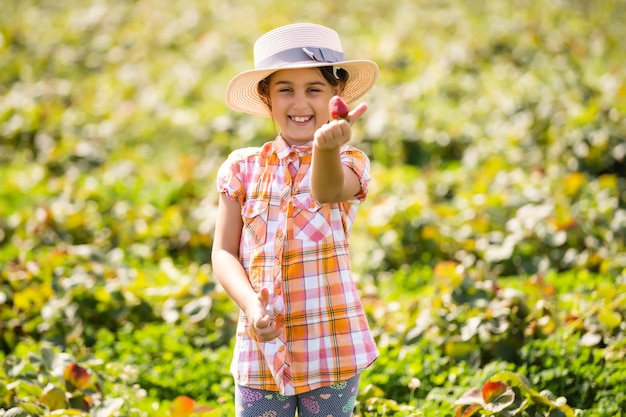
333,401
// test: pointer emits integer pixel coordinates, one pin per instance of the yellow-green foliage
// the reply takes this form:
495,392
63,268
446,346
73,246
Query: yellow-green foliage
492,239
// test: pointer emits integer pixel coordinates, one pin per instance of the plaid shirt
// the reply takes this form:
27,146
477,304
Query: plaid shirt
298,249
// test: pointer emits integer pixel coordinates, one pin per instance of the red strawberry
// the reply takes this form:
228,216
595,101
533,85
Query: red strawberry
338,108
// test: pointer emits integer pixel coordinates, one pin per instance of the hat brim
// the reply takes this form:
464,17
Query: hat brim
242,94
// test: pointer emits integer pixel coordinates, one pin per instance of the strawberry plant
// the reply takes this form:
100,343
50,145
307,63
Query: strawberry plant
492,239
509,394
57,384
51,382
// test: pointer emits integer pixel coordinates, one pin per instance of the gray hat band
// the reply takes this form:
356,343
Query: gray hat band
289,56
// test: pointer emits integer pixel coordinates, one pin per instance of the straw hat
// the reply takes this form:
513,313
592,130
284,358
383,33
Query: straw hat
300,45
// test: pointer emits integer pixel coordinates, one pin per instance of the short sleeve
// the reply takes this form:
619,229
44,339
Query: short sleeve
358,161
229,178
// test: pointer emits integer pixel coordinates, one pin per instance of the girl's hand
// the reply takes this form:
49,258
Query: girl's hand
336,133
263,326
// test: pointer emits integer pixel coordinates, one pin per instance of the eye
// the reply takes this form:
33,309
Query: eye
284,90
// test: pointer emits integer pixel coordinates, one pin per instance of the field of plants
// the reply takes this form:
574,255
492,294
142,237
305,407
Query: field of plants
490,253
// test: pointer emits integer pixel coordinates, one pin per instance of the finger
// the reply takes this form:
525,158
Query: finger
357,112
265,321
344,130
267,333
264,296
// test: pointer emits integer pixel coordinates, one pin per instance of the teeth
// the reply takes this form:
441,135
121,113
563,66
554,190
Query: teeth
300,119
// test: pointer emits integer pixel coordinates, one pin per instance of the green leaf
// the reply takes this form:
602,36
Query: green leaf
69,412
80,402
34,409
13,366
609,318
16,412
458,348
53,397
473,396
108,407
48,355
198,309
471,410
26,386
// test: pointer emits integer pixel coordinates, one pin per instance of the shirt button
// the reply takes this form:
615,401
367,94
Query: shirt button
287,180
283,208
279,233
278,291
281,348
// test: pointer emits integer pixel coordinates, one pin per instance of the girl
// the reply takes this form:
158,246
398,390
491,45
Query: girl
284,218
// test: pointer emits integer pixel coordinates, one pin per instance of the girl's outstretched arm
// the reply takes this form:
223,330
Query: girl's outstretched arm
231,274
331,181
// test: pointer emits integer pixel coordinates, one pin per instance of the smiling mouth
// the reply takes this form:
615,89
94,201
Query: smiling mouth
301,119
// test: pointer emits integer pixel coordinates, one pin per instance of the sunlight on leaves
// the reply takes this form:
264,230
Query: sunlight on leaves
53,397
448,274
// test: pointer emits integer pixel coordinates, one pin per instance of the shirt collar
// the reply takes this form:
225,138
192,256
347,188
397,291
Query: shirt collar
283,149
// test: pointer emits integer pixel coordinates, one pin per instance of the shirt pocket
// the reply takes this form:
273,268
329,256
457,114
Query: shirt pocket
254,214
309,219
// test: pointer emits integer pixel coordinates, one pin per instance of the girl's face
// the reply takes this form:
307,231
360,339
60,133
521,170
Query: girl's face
299,99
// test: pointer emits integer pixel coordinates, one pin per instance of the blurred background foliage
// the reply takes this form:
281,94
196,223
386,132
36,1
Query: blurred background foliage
509,116
497,138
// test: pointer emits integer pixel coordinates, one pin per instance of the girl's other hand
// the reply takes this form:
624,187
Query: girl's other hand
263,326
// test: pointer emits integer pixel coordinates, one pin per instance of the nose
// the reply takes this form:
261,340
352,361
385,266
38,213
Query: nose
299,101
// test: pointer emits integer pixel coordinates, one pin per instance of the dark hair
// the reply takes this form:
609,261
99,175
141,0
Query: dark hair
263,88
